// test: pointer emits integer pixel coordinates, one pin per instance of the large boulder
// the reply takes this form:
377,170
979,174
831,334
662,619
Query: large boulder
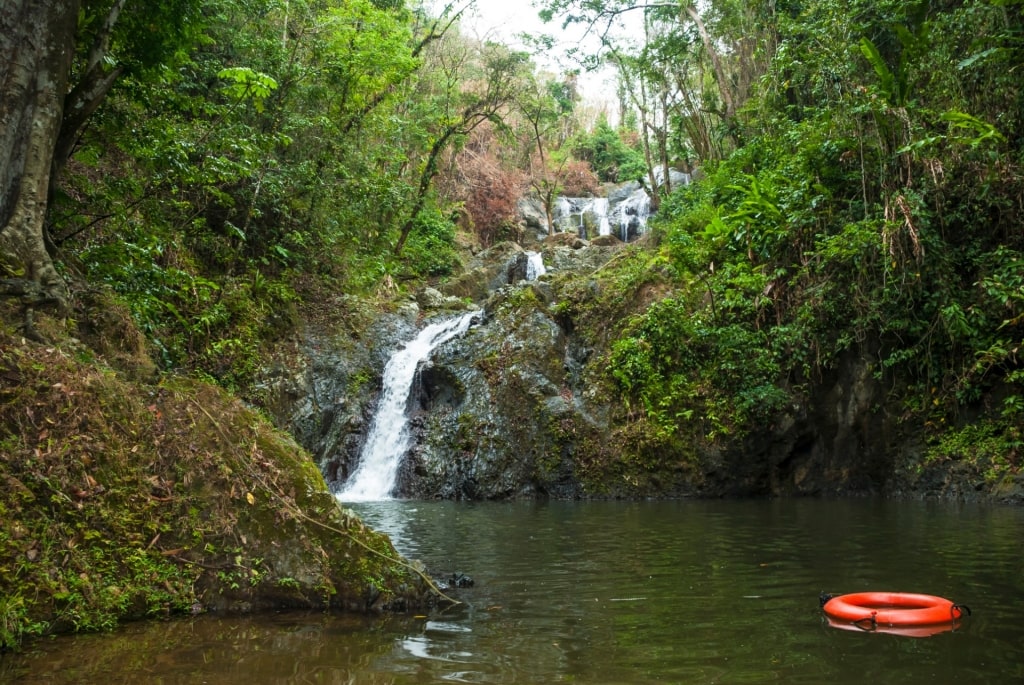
531,213
488,410
494,267
148,499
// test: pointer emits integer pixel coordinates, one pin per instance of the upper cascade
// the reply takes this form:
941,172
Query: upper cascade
624,213
590,217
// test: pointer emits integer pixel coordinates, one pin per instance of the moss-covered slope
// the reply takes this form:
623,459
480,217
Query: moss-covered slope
123,500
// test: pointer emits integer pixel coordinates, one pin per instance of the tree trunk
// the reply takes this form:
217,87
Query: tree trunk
426,177
545,196
724,86
93,85
36,48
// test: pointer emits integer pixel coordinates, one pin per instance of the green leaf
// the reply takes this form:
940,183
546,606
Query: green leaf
983,130
887,81
247,83
977,57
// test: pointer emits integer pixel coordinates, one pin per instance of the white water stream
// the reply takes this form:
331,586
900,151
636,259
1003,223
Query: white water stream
534,266
626,218
388,439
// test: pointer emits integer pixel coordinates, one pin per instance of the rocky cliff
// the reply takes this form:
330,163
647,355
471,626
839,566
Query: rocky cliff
523,406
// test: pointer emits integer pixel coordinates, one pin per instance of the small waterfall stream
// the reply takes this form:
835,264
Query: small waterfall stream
534,266
388,439
573,213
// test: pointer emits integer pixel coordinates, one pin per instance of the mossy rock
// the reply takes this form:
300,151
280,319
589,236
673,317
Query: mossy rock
123,501
606,241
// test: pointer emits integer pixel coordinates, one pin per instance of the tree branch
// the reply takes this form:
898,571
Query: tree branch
88,93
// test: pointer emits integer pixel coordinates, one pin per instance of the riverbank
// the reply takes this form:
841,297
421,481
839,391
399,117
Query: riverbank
126,498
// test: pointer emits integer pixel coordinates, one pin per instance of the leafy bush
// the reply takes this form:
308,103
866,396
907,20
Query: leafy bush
610,158
215,327
683,369
430,250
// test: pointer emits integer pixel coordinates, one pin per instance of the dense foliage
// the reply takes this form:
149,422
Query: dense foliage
873,205
862,167
250,148
609,155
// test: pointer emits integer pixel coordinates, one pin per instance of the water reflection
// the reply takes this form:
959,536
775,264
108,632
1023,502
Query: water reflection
903,631
687,592
286,648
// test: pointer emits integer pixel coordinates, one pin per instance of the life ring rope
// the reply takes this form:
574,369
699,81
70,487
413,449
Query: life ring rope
963,608
871,618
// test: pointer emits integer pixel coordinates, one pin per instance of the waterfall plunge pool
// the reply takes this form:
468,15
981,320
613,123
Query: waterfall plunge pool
614,592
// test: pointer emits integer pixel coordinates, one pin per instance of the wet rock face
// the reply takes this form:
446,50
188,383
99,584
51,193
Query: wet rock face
836,440
327,400
484,427
510,409
439,390
506,412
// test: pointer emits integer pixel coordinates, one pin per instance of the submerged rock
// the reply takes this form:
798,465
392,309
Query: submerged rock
456,580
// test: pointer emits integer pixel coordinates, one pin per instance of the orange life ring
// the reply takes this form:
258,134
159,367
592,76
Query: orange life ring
892,609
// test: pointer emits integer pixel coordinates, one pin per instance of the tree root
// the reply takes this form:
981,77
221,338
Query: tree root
32,294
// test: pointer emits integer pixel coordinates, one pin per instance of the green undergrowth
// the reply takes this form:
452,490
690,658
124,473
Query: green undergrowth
599,303
648,446
123,500
693,363
991,448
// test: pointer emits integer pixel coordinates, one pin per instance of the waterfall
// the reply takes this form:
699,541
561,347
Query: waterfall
582,214
632,214
534,266
388,439
590,217
625,211
600,209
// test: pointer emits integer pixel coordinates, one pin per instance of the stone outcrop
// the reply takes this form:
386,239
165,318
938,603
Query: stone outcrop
521,407
485,411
